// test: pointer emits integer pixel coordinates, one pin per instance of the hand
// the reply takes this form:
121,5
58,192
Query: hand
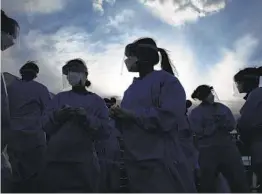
121,113
80,111
80,115
63,114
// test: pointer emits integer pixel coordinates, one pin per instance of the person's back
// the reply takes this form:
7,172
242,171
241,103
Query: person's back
26,142
27,101
212,122
213,116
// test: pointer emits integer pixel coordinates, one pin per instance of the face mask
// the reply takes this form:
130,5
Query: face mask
131,64
76,78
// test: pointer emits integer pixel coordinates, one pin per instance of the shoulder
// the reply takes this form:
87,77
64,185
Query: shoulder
223,106
219,104
39,85
196,111
166,77
98,99
60,94
256,93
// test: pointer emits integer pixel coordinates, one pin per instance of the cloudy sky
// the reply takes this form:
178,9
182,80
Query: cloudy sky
208,40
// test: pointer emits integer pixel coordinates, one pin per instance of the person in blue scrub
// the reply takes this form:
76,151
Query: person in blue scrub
151,114
212,122
108,152
250,121
74,120
26,142
187,142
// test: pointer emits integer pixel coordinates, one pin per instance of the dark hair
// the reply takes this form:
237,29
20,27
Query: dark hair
145,49
188,104
29,65
74,63
113,100
201,92
88,83
106,100
8,24
166,64
249,77
79,63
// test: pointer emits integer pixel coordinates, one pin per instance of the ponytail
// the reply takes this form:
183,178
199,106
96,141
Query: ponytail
166,64
88,83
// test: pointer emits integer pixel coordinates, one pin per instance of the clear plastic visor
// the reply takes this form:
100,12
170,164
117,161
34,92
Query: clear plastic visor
66,85
216,98
237,90
129,63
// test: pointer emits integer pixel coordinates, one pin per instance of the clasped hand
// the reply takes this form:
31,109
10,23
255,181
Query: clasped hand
120,113
67,112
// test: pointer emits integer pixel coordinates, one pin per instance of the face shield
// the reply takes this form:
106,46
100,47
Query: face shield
73,79
74,74
246,85
214,93
131,64
238,90
131,60
205,93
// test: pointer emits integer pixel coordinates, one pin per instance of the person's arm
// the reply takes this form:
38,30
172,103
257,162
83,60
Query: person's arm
99,121
196,122
248,111
45,98
247,115
170,111
49,124
230,120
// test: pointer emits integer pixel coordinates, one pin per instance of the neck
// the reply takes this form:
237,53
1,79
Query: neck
207,103
26,79
79,89
144,72
246,96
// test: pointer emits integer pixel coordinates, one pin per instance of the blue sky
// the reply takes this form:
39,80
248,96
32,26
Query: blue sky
208,40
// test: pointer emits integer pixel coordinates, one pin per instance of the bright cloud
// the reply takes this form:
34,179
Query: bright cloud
34,6
52,51
220,75
178,12
98,5
123,17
